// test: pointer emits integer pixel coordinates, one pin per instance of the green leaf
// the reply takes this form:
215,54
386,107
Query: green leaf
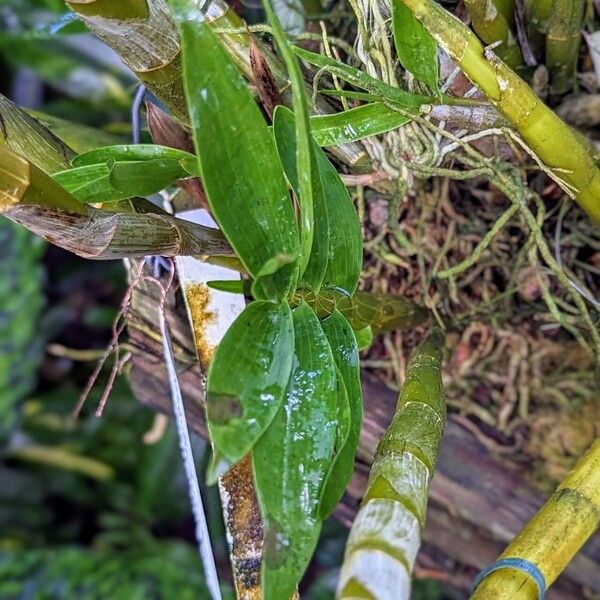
337,245
242,174
345,353
292,459
416,49
112,181
137,152
88,184
364,337
233,286
350,94
308,186
345,236
284,129
356,124
248,376
407,100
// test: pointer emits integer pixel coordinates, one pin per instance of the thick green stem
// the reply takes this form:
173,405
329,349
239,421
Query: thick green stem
537,17
148,42
491,25
551,139
386,533
538,14
507,10
554,535
562,43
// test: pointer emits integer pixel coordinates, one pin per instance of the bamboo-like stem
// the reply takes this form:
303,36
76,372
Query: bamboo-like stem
144,35
33,199
562,43
507,10
552,140
538,14
147,41
490,24
537,17
386,533
553,536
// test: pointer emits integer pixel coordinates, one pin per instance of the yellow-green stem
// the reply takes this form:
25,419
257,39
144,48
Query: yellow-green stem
491,25
562,43
538,13
553,536
552,140
507,10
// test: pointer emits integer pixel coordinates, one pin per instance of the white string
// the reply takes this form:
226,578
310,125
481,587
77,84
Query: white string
202,535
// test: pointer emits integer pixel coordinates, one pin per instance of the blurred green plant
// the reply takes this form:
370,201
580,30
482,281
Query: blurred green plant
21,302
160,570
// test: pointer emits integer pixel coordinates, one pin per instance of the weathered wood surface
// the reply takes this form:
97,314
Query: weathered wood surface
477,501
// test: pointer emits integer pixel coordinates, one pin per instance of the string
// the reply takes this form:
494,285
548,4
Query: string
519,564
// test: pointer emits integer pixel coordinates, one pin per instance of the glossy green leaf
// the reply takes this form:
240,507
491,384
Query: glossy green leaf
292,459
345,236
284,128
308,186
356,124
137,152
248,377
338,241
345,353
88,184
350,94
233,286
242,174
110,181
416,49
407,100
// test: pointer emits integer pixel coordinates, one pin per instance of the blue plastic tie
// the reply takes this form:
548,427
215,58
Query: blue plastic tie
519,564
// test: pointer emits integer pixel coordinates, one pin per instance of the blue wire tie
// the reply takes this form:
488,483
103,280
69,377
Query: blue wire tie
519,564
